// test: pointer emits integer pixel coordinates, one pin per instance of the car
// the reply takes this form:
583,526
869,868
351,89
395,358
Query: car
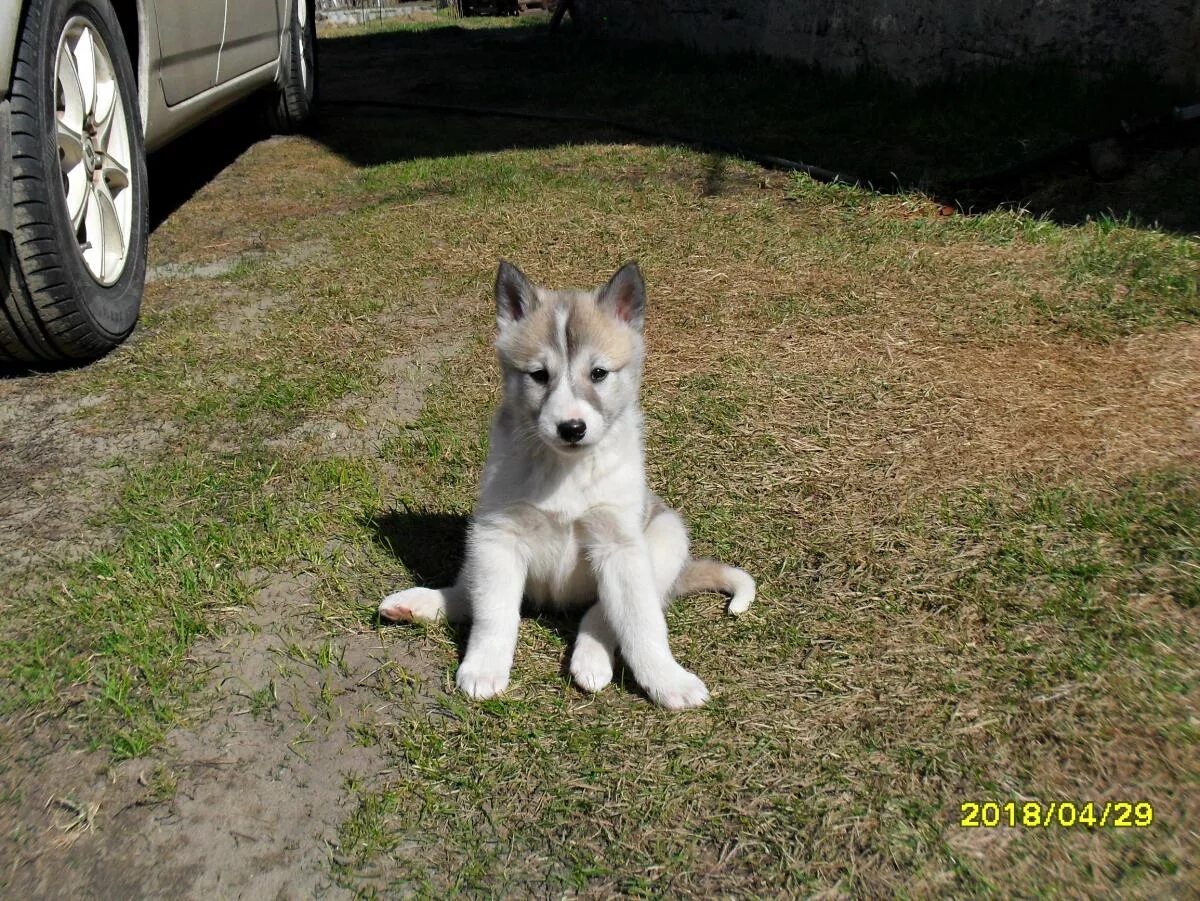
89,87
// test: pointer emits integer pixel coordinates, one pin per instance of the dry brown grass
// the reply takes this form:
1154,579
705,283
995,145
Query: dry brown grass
287,181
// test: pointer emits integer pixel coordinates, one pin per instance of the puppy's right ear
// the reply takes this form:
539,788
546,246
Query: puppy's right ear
515,297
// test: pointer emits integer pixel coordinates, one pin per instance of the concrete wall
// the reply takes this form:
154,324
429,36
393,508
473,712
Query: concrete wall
920,40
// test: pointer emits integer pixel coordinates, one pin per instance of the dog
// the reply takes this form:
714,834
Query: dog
565,517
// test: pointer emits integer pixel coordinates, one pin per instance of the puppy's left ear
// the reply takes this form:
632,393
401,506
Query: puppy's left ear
625,295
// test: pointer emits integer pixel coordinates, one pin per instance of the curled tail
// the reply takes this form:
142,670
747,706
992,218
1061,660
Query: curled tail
712,575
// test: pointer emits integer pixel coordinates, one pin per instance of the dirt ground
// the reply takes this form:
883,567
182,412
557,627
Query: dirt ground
259,796
244,799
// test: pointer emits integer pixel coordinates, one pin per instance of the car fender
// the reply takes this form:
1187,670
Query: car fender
289,10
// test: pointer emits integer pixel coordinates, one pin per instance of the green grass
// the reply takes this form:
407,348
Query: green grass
1127,279
119,628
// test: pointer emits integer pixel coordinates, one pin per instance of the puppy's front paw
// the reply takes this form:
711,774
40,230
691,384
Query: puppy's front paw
591,665
481,681
675,688
421,605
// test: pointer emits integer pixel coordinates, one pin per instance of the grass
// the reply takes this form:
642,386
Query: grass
124,621
1123,274
956,451
921,659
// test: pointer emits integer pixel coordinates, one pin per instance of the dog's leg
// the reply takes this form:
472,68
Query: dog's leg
596,644
494,578
667,539
425,605
632,606
592,656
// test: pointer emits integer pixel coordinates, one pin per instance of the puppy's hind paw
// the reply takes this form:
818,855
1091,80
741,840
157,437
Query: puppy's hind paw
744,591
421,605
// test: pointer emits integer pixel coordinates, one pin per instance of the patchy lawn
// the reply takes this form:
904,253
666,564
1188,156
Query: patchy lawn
959,453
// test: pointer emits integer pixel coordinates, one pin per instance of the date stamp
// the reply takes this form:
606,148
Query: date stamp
1061,814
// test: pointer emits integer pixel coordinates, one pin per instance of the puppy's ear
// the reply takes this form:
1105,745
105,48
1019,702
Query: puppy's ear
515,297
625,295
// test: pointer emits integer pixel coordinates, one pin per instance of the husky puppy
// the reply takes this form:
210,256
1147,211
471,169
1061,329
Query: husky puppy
564,514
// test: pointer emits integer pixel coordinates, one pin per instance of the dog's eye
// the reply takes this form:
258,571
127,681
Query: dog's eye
599,375
540,376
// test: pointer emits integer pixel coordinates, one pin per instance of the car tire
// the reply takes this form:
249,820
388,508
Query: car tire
295,95
74,266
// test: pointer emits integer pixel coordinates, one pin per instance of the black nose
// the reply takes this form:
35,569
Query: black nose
572,430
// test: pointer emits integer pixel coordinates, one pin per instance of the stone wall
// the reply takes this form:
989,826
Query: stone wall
921,40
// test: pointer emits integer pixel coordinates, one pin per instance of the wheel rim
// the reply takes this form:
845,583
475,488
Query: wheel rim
306,47
93,150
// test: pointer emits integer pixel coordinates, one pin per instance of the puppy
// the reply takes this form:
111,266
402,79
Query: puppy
565,517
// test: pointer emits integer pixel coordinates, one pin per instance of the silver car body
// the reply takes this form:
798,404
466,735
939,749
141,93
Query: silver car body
194,57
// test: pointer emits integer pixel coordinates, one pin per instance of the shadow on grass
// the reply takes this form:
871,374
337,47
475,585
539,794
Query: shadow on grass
177,171
431,546
990,139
